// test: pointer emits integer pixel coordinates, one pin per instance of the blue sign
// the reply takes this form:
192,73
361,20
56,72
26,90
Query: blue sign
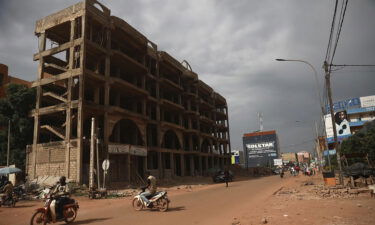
349,103
339,138
331,152
361,110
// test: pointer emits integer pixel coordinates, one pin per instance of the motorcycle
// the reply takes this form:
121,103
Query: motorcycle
20,192
158,201
11,201
44,215
219,177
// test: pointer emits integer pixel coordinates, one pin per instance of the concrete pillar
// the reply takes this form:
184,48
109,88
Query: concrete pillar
182,159
191,148
172,164
192,169
206,163
128,167
200,165
160,165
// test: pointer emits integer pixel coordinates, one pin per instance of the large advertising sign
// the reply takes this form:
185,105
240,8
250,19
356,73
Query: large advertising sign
260,149
342,126
345,104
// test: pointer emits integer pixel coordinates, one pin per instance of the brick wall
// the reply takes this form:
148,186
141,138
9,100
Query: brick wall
51,160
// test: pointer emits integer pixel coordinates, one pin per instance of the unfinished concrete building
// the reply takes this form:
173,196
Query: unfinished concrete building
153,113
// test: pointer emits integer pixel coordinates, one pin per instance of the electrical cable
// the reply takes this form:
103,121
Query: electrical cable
330,35
341,21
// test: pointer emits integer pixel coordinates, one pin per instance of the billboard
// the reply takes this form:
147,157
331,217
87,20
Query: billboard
342,126
260,148
345,104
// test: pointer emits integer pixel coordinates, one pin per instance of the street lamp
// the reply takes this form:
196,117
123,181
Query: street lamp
317,87
315,74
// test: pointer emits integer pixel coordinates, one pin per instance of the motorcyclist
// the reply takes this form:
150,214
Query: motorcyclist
151,186
61,195
8,190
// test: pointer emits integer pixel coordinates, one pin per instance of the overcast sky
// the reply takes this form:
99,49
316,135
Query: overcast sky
232,46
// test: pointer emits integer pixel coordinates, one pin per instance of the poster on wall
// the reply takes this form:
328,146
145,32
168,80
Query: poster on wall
342,125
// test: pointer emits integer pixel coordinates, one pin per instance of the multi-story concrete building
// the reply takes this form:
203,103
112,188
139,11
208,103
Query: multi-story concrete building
152,112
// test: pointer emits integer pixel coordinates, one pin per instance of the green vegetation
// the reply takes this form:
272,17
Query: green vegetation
361,142
16,107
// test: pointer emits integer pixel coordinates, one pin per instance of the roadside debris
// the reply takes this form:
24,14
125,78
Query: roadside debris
310,191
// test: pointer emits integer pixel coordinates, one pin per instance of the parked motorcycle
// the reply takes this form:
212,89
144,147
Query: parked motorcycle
11,201
158,201
220,177
44,215
20,192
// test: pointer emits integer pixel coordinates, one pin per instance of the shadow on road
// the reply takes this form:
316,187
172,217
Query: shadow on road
24,206
178,208
88,221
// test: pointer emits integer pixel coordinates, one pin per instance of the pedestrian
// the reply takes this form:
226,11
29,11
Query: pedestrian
226,177
297,169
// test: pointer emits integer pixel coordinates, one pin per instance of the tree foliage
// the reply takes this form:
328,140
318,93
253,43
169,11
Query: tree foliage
16,107
361,142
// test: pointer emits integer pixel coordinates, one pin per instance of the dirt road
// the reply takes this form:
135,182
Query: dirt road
244,202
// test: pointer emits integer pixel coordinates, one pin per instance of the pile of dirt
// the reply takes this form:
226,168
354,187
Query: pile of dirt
339,191
307,190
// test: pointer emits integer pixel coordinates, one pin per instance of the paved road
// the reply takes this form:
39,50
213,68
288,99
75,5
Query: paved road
212,204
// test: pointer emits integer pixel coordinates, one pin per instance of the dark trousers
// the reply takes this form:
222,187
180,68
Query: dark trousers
60,202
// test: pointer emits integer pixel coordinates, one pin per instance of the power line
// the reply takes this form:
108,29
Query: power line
344,65
341,21
331,33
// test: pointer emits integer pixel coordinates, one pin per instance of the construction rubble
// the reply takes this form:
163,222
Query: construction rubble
309,190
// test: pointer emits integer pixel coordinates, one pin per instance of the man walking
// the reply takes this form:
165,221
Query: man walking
226,177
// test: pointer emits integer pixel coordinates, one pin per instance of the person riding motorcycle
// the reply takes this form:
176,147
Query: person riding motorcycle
8,190
151,186
61,195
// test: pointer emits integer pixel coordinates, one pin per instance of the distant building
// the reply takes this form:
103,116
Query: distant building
5,79
261,148
288,157
303,157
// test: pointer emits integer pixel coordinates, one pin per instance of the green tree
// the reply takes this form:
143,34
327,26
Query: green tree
15,107
361,142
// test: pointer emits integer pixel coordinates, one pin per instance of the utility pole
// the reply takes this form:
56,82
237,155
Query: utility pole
329,92
8,148
97,160
92,147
